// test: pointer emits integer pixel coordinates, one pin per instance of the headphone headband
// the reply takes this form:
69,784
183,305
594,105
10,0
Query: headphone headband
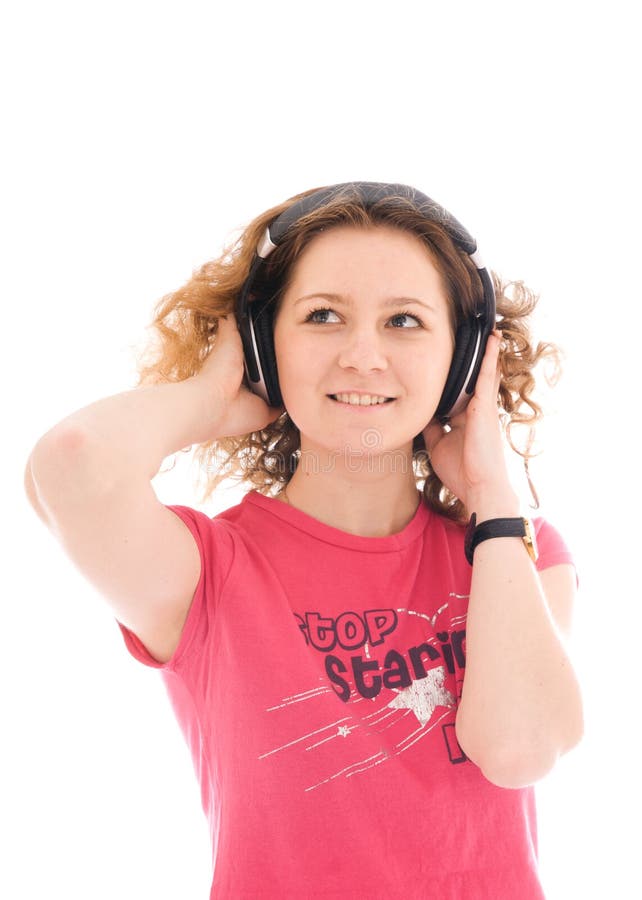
470,341
369,193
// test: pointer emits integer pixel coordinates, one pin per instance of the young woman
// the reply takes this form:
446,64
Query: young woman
367,654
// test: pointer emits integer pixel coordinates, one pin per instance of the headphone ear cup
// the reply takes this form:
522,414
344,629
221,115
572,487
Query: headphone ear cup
261,324
466,340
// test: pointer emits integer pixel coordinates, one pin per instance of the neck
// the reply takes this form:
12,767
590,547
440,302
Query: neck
376,508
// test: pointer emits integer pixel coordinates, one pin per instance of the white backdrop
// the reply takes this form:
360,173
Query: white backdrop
137,138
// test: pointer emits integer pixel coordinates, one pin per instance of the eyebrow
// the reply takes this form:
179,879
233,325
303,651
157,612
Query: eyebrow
347,301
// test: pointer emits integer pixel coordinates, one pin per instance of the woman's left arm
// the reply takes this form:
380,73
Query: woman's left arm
521,704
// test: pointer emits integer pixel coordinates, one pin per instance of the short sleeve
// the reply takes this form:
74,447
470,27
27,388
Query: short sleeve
215,548
551,546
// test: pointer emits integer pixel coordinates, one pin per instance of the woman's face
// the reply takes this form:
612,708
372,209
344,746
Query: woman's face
385,330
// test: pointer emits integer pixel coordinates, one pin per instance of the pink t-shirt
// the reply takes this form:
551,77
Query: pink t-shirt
316,683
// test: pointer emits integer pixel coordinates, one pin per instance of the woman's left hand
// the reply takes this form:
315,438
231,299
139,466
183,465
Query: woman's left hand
469,457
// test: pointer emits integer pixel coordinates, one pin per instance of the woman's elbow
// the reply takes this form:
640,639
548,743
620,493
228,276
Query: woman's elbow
519,772
518,769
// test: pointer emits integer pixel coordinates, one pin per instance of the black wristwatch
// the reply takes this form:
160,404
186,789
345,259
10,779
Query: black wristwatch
493,528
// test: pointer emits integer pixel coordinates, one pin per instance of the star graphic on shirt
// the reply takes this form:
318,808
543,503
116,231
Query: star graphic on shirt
423,695
343,731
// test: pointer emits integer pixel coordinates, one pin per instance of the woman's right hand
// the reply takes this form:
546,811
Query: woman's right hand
235,409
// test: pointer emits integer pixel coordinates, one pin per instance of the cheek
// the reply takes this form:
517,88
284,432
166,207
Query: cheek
294,372
279,342
288,358
297,355
429,366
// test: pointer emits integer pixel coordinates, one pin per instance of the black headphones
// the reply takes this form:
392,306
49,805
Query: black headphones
254,312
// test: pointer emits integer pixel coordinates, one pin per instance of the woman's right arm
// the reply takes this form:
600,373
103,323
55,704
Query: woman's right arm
89,480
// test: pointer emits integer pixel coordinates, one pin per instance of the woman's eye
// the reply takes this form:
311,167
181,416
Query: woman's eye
312,316
404,315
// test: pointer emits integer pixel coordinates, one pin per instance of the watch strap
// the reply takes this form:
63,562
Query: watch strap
493,528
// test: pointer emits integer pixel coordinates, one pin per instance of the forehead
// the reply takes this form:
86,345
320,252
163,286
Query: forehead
382,245
380,259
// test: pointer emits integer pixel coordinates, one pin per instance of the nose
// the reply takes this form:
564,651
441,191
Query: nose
363,350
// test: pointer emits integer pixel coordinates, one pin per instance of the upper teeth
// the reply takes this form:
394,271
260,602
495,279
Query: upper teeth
360,399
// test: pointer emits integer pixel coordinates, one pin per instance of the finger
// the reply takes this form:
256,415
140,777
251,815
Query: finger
225,321
498,369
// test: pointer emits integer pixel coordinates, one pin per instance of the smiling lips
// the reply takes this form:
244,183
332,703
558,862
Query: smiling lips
354,399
